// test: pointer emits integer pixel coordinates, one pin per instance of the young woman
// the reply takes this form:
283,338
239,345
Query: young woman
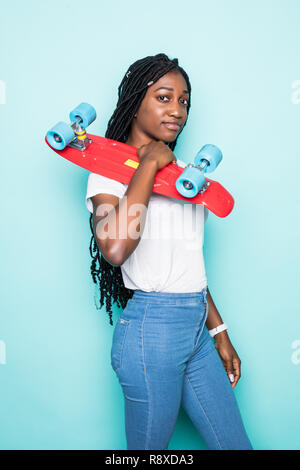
162,350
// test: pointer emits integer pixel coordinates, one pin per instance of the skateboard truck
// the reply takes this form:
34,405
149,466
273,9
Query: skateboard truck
192,180
74,134
188,185
81,141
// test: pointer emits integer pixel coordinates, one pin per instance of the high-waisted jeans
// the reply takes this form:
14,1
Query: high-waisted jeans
164,357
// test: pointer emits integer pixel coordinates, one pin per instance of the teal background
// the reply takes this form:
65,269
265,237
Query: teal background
57,387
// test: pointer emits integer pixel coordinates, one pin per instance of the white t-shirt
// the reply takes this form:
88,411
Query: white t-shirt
169,255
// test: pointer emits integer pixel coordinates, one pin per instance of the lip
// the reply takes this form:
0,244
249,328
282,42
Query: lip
174,126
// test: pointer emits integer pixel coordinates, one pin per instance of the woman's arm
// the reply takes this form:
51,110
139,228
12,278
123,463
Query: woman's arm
121,221
227,353
213,318
117,247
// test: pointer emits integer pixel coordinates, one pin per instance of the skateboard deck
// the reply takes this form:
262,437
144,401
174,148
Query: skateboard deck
119,161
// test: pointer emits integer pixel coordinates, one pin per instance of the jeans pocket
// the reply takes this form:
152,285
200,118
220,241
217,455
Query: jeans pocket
118,343
206,305
202,323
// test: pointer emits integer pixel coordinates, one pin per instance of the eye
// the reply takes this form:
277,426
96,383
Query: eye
162,96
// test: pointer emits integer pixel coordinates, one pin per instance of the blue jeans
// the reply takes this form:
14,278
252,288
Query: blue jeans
164,357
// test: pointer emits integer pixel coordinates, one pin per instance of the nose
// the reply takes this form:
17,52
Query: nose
175,110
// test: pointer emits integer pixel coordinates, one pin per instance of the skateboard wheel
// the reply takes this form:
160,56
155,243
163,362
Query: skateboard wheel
212,154
85,112
189,182
60,135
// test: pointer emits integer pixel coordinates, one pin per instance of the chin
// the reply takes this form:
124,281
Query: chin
165,139
168,140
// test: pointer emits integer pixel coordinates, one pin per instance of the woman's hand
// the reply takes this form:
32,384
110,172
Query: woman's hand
158,151
229,357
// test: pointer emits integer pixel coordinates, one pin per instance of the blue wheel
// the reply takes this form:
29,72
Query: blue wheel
212,154
189,182
60,135
85,112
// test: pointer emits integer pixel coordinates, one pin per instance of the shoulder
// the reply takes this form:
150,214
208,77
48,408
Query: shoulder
96,181
98,184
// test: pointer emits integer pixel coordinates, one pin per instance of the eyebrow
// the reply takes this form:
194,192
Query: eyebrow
171,89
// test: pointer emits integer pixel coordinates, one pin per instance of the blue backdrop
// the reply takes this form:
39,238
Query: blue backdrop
58,390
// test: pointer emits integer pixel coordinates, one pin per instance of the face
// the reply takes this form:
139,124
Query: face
161,106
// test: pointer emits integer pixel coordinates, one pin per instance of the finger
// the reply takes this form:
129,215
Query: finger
236,364
230,371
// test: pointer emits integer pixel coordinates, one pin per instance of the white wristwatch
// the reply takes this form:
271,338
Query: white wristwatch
218,329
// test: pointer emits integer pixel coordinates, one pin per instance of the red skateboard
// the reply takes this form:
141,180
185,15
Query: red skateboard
119,161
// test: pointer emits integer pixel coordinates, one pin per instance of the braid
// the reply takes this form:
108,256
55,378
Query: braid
141,74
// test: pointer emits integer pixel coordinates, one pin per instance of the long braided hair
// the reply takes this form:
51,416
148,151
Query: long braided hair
141,74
